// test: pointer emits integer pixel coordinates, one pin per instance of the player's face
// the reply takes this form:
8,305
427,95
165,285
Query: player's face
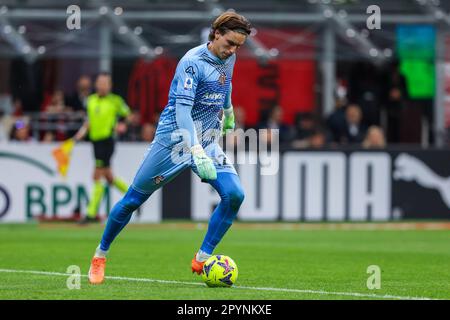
228,43
103,85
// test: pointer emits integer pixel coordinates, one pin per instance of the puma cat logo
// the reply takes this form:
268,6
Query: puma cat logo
409,168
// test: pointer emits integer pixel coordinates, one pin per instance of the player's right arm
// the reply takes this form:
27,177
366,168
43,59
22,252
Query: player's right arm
187,77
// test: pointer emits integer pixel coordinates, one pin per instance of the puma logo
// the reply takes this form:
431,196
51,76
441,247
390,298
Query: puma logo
409,168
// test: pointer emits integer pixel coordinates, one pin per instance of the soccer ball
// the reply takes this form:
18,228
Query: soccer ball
219,271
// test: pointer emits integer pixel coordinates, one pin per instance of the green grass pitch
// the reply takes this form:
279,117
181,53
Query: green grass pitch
278,261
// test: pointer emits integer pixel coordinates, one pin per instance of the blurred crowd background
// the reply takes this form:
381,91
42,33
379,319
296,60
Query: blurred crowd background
312,69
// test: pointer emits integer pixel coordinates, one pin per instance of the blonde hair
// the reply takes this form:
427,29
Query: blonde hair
230,21
368,142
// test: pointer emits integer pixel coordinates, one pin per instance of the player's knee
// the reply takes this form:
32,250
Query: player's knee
133,199
131,204
236,196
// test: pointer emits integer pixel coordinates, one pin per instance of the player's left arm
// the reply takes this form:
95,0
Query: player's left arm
124,115
123,110
228,121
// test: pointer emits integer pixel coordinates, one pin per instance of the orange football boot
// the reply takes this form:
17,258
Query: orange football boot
97,270
197,266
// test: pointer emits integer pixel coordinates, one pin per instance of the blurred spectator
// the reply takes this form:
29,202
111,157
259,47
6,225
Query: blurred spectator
336,120
148,132
133,129
395,97
305,125
3,126
316,140
374,138
274,121
365,88
17,108
77,101
5,123
57,104
21,131
48,137
6,104
54,117
355,130
9,112
341,89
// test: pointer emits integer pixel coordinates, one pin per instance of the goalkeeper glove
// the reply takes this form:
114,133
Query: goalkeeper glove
228,121
205,167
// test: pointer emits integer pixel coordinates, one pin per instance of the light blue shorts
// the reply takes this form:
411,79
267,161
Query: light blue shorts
162,164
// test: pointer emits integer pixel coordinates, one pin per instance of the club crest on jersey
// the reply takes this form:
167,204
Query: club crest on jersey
188,83
222,79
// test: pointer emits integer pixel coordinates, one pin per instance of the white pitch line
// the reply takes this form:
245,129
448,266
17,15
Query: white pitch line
351,294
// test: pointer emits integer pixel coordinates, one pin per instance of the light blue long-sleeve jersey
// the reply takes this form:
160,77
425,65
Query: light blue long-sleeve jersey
200,89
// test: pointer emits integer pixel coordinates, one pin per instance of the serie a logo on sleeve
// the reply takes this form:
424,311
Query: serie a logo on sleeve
188,83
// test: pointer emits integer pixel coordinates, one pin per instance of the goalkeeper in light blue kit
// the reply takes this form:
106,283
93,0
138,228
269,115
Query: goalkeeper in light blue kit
198,112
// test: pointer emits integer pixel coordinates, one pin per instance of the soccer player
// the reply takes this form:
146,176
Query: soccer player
103,110
198,110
